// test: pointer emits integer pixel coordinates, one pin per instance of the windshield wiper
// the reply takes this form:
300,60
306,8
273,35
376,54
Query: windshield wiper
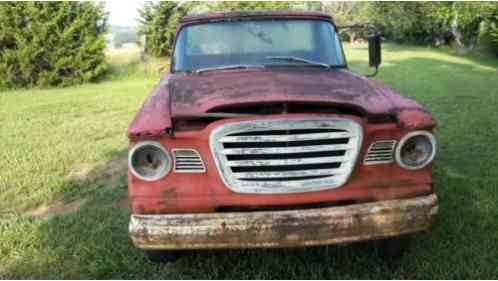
233,66
298,59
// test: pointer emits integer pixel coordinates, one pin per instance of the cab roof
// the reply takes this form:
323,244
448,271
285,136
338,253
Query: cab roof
259,14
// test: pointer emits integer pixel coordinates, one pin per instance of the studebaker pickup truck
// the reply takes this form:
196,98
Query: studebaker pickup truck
261,136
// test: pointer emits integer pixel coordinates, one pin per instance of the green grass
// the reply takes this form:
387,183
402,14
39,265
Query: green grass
70,144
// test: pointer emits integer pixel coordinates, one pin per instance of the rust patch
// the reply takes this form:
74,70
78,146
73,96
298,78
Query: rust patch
168,193
284,229
141,209
381,184
180,95
407,182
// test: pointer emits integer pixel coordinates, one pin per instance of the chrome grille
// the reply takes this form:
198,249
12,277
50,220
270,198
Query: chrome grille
188,161
380,152
286,155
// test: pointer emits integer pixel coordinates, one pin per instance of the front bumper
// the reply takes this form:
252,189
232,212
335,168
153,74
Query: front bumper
320,226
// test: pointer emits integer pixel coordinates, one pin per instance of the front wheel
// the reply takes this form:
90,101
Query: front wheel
161,256
394,247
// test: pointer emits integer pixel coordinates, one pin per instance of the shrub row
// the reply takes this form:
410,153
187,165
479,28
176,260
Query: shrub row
51,43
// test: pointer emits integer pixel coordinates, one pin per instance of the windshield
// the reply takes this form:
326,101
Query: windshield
257,43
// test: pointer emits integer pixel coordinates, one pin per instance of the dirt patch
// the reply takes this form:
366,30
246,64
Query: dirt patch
81,172
58,208
123,203
108,173
113,169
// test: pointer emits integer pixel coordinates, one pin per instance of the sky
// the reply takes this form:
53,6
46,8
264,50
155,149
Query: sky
123,12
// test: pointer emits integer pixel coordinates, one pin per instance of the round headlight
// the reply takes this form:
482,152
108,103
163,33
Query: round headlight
416,150
149,161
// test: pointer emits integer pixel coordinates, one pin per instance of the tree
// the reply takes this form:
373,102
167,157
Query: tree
348,14
46,44
158,24
438,23
492,33
466,20
402,21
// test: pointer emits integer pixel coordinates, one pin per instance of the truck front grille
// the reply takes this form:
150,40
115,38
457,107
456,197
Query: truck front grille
286,155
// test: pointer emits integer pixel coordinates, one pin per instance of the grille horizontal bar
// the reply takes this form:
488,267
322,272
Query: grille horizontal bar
284,138
311,148
314,160
290,174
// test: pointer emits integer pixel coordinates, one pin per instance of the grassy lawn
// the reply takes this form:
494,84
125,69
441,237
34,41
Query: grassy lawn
63,182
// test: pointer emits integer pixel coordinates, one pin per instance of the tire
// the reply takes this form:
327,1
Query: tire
394,247
161,256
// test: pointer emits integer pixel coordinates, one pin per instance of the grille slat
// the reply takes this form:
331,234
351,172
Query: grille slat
290,174
315,160
287,138
293,149
380,152
286,155
188,161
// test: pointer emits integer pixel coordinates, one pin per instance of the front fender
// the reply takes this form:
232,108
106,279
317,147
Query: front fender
154,117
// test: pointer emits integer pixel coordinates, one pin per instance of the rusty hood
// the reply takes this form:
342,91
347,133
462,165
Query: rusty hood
183,94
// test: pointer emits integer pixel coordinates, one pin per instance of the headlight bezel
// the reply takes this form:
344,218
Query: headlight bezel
402,142
164,172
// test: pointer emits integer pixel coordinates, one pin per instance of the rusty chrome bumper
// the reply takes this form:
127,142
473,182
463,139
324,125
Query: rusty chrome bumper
320,226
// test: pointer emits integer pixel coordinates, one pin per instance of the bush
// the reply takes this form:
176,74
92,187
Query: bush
51,43
491,33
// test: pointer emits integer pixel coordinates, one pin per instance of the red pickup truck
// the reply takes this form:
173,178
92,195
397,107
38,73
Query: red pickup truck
260,136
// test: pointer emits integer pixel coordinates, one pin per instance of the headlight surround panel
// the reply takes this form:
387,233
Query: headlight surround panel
149,161
416,150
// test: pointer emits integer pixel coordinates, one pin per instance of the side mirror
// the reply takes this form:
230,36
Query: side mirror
374,50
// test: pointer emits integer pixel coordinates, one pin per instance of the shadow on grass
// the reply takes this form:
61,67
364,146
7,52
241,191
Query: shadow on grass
93,242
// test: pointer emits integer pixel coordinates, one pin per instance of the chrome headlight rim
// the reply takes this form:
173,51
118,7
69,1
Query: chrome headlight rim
140,145
408,136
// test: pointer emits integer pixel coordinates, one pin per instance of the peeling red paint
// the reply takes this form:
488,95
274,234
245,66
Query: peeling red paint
155,115
205,192
180,95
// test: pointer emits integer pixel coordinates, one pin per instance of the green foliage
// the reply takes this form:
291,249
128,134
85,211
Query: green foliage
466,21
158,24
264,5
490,32
405,22
493,35
435,23
347,13
45,44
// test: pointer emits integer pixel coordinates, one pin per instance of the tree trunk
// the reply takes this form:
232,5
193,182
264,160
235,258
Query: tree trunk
460,46
437,36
